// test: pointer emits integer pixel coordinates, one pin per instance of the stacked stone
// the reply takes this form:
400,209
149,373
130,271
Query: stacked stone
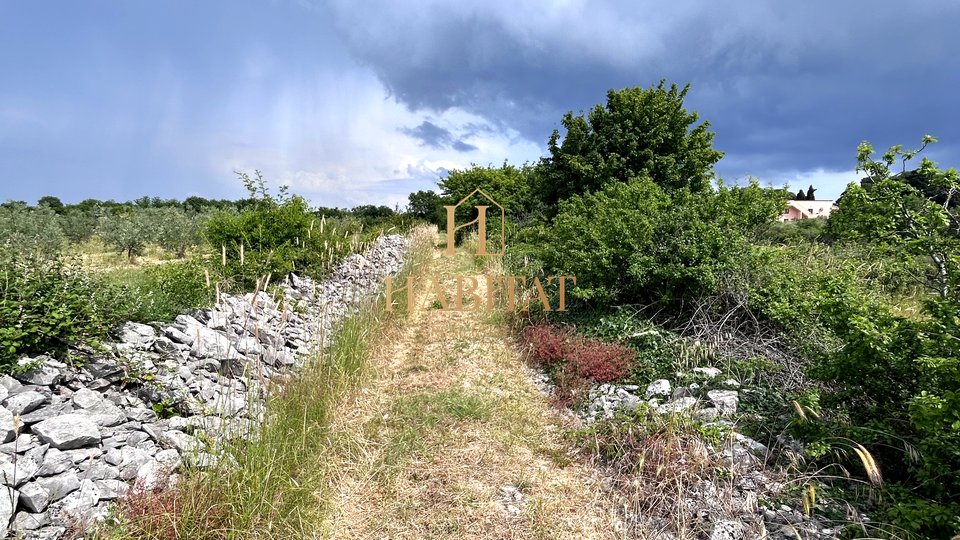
75,438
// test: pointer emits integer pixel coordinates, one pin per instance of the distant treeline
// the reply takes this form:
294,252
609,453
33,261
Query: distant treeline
194,205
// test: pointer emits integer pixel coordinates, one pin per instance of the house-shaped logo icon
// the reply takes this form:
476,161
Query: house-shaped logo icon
481,221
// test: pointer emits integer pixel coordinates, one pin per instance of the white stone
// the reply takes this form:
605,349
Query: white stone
726,401
7,433
68,431
8,503
677,405
86,398
25,402
61,485
708,372
659,387
34,497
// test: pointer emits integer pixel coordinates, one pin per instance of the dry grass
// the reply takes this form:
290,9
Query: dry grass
99,257
451,439
271,482
666,481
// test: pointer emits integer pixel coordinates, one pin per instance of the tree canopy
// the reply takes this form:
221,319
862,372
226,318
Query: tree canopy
640,132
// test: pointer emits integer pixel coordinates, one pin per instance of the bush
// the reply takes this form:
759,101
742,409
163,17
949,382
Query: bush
599,362
47,304
606,239
573,361
275,236
159,292
547,345
631,242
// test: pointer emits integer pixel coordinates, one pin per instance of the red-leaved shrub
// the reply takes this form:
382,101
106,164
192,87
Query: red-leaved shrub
546,345
574,360
598,361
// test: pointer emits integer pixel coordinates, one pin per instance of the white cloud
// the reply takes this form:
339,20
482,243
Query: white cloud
337,138
829,184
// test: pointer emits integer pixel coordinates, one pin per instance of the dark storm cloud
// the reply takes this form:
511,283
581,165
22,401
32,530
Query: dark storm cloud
785,86
430,134
461,146
434,136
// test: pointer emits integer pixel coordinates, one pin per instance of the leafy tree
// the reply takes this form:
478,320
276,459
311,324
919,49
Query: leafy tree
897,214
640,132
127,231
510,186
175,230
428,206
27,230
898,379
52,203
78,226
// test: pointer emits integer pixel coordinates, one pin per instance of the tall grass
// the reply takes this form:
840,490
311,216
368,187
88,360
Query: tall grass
270,482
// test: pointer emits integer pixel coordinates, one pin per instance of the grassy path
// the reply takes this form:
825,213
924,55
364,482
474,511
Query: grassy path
451,439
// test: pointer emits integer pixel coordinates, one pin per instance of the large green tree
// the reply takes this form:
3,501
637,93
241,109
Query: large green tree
426,205
640,132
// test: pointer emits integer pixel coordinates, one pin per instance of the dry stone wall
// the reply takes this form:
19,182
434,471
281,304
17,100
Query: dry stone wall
76,438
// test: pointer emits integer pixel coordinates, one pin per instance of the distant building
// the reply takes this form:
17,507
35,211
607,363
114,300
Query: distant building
807,210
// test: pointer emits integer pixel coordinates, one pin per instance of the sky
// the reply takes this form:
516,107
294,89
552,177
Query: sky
362,102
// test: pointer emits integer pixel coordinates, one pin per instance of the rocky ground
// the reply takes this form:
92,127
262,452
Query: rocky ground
131,413
739,507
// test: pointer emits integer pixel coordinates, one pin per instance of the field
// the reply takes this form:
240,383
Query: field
712,372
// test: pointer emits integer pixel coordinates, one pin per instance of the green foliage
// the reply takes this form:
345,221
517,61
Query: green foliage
175,230
606,238
158,292
275,236
640,132
893,213
510,186
802,231
632,241
428,206
78,226
127,231
28,230
51,202
46,304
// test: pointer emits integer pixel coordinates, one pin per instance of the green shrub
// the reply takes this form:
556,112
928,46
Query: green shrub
633,242
159,292
47,304
606,239
275,236
802,231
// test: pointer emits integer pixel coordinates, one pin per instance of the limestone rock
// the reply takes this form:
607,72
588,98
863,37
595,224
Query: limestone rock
68,431
660,387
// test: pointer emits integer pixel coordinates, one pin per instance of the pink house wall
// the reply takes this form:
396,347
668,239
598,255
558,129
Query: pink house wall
807,210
